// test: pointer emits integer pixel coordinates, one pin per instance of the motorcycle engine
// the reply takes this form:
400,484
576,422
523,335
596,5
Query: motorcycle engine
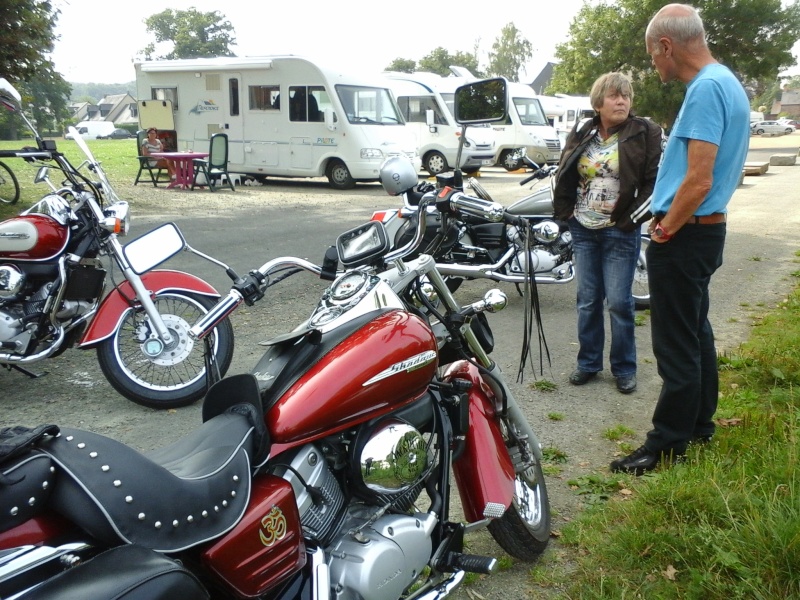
552,250
12,282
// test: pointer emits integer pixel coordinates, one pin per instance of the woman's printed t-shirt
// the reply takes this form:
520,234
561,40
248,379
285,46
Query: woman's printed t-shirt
598,188
153,147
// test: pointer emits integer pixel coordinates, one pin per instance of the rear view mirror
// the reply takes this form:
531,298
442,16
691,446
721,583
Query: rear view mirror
154,247
481,102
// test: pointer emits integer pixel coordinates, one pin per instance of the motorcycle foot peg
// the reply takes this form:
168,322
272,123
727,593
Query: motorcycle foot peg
472,563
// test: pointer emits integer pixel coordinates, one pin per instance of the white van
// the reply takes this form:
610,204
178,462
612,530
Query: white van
574,110
284,115
426,101
91,130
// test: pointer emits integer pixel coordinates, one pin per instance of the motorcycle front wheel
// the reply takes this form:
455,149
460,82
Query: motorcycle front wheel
640,288
142,369
524,530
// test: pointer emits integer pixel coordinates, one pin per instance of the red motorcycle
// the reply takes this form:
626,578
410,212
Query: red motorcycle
53,277
324,473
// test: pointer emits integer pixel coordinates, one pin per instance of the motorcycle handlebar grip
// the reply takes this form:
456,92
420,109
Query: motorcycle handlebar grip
528,179
218,312
477,207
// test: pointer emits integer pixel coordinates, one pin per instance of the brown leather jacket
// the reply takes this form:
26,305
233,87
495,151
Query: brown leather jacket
640,145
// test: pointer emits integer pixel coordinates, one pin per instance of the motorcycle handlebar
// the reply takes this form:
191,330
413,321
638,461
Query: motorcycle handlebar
539,173
482,209
248,289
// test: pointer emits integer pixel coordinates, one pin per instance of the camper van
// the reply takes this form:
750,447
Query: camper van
91,130
284,116
573,109
525,127
426,101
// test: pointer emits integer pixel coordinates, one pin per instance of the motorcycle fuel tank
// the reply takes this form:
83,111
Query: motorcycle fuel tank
538,204
32,238
384,364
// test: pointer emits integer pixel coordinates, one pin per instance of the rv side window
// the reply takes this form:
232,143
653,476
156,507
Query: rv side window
304,103
233,96
264,97
530,111
166,94
414,109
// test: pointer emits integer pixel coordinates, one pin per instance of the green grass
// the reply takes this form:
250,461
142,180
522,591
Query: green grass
723,525
118,158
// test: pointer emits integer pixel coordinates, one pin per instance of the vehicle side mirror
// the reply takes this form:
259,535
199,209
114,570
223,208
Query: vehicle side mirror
330,119
154,247
430,120
484,101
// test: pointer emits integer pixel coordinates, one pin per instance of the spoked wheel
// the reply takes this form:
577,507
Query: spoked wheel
524,530
9,186
641,288
140,367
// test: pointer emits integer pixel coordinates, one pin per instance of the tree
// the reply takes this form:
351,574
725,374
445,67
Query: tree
509,53
439,61
26,39
752,37
402,65
193,34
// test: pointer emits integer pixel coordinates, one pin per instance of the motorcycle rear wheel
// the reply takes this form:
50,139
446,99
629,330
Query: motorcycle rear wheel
176,376
640,288
524,530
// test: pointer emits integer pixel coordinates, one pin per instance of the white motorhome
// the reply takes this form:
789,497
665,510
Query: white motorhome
426,101
574,110
284,116
91,130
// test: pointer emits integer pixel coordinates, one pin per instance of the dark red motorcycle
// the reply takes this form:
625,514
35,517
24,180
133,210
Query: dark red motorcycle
324,473
55,261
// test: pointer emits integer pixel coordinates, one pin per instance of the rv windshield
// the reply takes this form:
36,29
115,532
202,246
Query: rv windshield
530,111
369,105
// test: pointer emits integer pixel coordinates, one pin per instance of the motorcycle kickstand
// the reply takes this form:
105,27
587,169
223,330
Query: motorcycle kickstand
25,371
212,368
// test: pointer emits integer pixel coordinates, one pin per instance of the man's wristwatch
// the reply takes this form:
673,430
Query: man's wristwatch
662,233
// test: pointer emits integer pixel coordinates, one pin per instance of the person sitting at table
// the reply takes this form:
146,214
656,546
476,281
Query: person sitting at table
153,144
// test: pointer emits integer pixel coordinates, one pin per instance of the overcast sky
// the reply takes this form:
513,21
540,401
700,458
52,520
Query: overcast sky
99,39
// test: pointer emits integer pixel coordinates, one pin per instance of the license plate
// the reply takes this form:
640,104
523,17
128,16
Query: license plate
487,162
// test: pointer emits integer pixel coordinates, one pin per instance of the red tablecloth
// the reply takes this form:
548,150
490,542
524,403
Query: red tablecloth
184,169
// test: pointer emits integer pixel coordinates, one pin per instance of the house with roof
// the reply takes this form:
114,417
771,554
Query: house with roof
119,109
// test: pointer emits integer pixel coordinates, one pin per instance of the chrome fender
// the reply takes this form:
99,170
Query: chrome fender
484,472
115,305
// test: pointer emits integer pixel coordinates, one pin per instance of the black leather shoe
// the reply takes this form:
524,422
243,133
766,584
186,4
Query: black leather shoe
578,377
626,384
642,460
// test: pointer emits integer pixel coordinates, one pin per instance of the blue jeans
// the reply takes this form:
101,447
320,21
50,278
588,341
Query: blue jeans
605,261
679,272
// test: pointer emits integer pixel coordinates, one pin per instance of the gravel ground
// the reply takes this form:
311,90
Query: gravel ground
755,277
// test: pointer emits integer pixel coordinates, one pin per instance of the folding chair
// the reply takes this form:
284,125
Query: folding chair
216,165
155,173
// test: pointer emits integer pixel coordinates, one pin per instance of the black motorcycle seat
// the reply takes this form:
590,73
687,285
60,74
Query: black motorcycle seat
189,492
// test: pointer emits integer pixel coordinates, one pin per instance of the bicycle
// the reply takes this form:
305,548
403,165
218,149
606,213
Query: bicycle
9,186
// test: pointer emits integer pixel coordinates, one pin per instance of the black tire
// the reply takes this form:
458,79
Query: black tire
759,131
524,530
9,186
640,288
339,175
177,376
435,162
509,161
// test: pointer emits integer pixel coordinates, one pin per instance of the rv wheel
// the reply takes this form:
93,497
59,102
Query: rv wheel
339,176
509,160
435,162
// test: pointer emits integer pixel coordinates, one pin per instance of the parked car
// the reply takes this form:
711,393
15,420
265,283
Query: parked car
760,127
117,134
791,122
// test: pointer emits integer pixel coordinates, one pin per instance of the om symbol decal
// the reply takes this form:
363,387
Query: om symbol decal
273,527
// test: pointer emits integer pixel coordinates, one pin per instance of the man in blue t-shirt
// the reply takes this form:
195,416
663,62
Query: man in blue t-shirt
701,167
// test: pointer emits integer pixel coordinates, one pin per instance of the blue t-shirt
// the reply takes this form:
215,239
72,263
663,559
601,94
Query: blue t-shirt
715,110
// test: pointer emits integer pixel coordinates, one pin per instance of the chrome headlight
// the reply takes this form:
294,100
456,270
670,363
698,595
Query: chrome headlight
117,218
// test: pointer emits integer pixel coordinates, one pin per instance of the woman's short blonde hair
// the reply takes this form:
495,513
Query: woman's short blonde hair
617,83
